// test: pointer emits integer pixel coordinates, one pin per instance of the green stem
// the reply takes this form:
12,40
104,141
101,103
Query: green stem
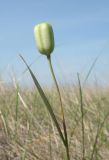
62,109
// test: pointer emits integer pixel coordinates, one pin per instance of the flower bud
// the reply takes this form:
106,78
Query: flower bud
44,38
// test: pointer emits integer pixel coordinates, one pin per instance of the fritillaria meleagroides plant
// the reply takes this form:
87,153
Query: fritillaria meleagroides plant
44,38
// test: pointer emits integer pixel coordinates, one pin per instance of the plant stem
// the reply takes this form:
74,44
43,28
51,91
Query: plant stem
57,87
62,109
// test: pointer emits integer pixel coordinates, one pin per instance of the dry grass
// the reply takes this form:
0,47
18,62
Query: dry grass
28,133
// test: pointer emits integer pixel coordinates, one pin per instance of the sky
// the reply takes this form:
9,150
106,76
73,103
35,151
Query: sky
81,31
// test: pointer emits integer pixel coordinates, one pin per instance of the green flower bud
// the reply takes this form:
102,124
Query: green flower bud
44,38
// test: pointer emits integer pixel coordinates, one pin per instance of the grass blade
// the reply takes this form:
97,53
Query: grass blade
16,108
82,118
90,70
99,128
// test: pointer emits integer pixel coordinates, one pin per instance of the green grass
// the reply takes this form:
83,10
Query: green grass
28,132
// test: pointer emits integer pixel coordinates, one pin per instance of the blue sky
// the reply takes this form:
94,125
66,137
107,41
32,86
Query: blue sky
81,30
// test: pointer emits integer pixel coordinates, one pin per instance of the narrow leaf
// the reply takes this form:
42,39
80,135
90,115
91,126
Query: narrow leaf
45,100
